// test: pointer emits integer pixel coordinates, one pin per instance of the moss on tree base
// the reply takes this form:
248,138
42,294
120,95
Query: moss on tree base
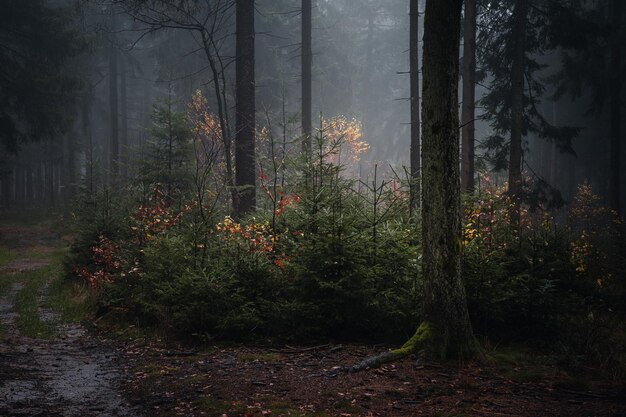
415,345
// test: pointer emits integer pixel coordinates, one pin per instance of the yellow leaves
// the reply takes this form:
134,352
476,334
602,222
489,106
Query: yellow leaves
344,140
258,236
592,225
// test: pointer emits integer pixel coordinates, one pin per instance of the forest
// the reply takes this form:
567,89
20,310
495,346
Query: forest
312,208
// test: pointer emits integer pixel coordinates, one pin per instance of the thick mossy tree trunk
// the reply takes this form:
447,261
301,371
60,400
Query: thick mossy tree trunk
446,332
245,160
518,65
445,304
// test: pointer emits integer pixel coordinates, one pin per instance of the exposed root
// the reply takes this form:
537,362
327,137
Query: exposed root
416,344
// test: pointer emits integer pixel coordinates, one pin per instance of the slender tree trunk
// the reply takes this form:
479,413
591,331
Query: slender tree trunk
170,139
220,99
469,97
114,143
65,159
615,106
369,71
29,182
517,105
19,185
7,178
307,59
415,104
445,304
56,166
50,181
40,189
245,159
71,166
68,170
555,156
123,119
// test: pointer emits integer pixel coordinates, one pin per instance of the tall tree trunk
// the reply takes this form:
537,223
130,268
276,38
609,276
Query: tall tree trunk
123,118
68,168
56,185
114,143
307,59
245,160
415,104
469,97
517,105
219,85
446,331
19,184
7,178
445,304
50,181
29,182
40,187
615,106
367,76
555,155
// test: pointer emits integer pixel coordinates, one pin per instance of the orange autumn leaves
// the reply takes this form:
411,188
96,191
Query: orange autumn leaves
344,144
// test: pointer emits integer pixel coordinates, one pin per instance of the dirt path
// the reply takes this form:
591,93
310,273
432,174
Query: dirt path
70,374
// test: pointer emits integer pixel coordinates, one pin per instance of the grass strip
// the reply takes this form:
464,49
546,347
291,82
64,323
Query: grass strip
28,321
73,301
6,257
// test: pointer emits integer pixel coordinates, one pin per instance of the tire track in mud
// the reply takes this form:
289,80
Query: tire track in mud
70,375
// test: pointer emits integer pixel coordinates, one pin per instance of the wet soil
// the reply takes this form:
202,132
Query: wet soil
71,374
245,381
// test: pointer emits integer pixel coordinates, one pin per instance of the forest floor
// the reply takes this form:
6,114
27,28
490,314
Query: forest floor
50,365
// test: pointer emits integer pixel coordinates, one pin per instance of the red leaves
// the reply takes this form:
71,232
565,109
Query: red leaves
157,216
290,200
105,259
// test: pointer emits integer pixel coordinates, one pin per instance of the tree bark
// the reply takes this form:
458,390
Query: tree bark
220,99
114,144
40,186
469,97
307,59
64,171
445,304
245,160
415,104
7,179
615,107
19,185
517,106
123,119
50,181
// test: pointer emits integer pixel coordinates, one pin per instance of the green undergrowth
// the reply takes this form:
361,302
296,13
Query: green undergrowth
74,302
28,321
6,256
